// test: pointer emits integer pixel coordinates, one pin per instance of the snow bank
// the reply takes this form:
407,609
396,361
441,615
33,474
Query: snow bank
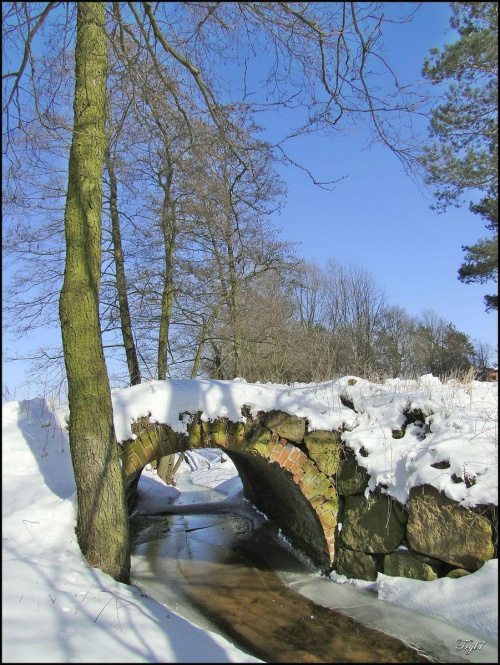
470,602
55,608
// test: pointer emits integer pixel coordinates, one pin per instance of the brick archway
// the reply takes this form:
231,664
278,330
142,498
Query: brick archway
277,475
286,485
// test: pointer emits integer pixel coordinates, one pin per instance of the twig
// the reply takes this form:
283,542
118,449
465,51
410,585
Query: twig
95,620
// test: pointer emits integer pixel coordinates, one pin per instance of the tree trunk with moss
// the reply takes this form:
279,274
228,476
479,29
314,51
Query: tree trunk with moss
102,526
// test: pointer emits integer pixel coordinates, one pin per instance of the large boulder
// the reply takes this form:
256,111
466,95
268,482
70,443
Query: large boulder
323,447
408,564
443,529
370,525
283,424
351,478
356,565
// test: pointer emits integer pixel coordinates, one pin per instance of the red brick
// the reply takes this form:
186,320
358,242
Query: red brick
323,506
284,456
297,455
309,488
321,483
136,462
298,475
291,457
295,467
283,441
330,493
277,454
308,465
309,475
328,504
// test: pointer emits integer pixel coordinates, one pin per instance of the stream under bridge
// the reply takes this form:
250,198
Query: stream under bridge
287,472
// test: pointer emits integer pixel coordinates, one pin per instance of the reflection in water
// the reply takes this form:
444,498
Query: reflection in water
217,570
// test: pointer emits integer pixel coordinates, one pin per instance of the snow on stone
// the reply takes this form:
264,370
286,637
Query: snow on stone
461,419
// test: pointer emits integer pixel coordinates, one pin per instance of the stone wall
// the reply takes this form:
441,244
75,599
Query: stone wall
430,537
310,484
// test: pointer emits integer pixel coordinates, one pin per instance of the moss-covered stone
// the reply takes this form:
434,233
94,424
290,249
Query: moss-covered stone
257,434
236,432
216,432
351,478
323,447
441,528
370,525
258,448
195,432
432,561
356,565
289,427
400,512
406,564
329,503
458,572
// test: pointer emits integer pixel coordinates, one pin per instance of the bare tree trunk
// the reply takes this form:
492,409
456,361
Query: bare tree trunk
217,372
205,330
121,282
234,304
102,526
169,229
167,467
197,357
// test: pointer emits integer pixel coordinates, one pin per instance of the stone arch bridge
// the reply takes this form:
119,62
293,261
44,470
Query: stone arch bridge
287,472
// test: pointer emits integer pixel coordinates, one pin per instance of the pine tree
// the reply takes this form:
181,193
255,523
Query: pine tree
465,155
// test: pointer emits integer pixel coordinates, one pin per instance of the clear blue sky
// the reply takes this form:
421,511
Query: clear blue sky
376,218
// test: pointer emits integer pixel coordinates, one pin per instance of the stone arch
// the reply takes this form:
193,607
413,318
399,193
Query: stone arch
287,486
153,441
278,475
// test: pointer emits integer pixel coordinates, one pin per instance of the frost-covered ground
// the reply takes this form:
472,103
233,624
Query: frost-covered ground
57,609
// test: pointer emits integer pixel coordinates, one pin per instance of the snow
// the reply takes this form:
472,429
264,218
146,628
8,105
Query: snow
470,602
462,420
57,609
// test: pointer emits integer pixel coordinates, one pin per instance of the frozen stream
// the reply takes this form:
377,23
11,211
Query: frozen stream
219,563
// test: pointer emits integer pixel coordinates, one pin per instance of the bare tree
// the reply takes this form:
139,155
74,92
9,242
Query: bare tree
484,353
395,342
322,59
